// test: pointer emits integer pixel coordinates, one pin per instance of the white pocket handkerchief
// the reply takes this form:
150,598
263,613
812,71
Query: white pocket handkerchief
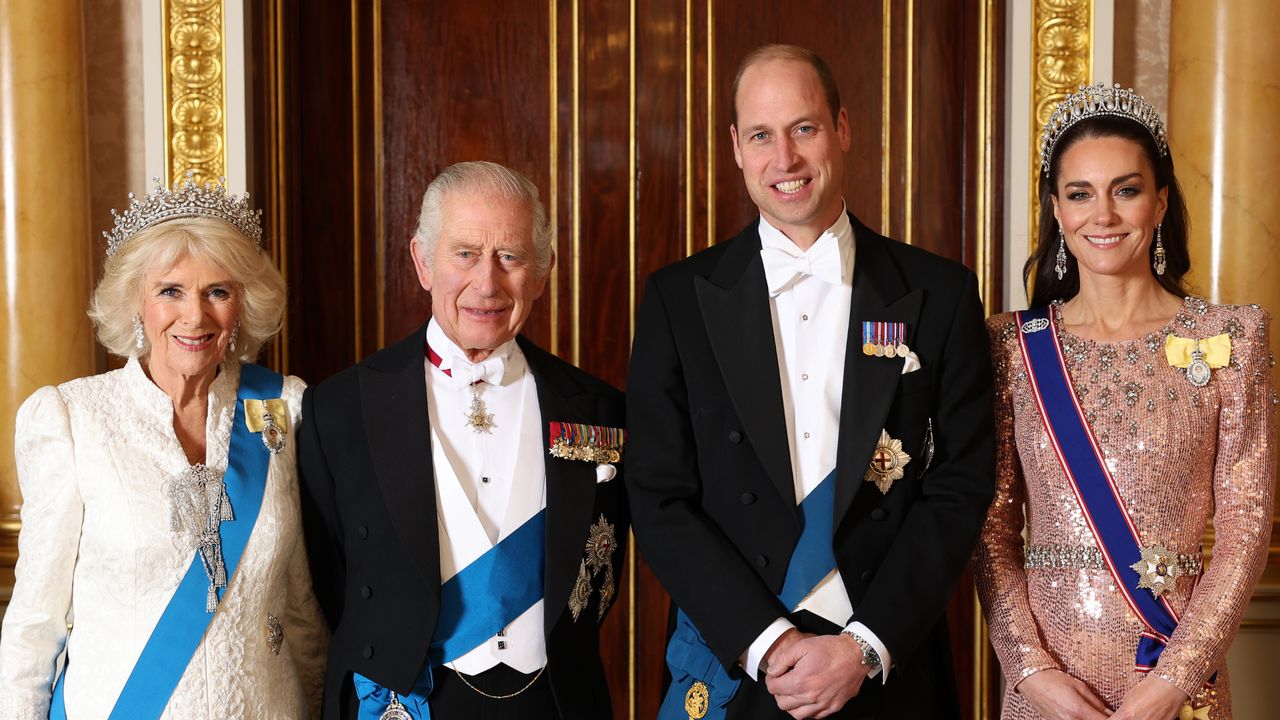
605,472
912,363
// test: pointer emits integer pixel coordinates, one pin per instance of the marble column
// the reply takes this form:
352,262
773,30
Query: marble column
1224,116
45,242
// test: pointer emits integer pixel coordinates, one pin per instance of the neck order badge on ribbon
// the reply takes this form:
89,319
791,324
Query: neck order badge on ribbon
1140,571
700,686
182,625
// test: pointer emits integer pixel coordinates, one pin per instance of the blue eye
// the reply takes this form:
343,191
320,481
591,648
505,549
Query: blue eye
170,292
760,136
220,293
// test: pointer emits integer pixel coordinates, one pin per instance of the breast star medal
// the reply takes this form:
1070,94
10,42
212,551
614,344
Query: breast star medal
1157,569
395,711
600,545
697,701
887,462
477,419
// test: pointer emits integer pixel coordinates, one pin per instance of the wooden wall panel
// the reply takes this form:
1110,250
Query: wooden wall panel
619,112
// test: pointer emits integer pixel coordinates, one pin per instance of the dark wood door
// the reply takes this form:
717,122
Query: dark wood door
619,112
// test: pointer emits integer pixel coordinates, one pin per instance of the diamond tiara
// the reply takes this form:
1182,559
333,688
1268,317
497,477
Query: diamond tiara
190,200
1098,101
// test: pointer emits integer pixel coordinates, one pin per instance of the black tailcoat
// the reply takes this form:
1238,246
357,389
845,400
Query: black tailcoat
369,511
709,470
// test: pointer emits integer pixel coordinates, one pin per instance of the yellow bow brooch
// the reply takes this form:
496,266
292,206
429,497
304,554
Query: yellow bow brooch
269,417
1198,357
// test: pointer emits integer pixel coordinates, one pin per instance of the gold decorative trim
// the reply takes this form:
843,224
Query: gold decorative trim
886,106
632,649
908,205
984,242
553,192
380,246
195,102
356,236
688,127
575,238
711,116
1061,61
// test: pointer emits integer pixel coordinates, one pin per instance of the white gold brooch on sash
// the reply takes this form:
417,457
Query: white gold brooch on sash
888,463
198,505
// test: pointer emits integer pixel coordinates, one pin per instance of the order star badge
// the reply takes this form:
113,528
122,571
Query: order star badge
477,419
1157,569
887,462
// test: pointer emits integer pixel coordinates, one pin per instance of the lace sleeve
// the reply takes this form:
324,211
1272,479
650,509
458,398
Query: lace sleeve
35,624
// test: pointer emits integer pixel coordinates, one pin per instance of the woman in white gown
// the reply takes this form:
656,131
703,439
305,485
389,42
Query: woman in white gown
161,568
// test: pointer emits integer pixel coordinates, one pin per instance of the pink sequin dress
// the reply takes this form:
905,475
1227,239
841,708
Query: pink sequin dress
1181,456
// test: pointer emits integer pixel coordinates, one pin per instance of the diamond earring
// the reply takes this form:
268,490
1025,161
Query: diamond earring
139,337
1158,261
1060,265
235,334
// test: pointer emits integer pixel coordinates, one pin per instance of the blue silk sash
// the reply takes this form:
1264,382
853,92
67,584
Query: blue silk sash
1094,487
182,625
476,603
689,658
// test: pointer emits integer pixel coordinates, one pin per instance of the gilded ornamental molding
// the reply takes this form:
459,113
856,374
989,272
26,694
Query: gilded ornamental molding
194,90
1061,61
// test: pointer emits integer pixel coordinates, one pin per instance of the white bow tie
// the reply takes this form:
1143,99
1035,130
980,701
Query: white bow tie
782,269
466,373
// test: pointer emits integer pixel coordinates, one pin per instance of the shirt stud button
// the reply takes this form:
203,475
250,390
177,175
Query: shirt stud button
735,437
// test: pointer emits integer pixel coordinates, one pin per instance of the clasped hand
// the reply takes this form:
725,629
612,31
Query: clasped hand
813,676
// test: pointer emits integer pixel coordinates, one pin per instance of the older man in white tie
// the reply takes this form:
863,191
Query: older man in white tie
810,436
464,524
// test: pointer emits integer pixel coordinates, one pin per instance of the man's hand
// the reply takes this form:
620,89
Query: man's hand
816,675
1058,696
1153,697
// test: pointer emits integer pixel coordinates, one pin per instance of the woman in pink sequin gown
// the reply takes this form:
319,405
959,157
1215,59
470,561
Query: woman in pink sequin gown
1180,454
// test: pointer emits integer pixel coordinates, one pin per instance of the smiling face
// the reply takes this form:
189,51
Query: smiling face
482,276
1108,206
188,312
790,147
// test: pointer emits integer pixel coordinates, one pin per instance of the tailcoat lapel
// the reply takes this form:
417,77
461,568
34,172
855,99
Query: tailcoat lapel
393,387
879,294
735,308
571,485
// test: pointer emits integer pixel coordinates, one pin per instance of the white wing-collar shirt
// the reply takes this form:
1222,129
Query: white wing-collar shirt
487,483
810,309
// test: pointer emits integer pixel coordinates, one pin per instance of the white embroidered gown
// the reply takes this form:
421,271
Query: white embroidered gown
96,553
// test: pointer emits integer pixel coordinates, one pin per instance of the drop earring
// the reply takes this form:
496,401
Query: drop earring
1060,265
235,334
1158,261
139,337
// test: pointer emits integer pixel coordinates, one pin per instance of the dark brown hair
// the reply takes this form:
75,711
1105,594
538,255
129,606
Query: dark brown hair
1038,277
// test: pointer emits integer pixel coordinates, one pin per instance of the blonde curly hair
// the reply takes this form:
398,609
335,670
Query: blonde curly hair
118,296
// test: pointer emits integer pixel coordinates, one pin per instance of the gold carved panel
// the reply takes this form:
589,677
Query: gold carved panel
194,90
1061,61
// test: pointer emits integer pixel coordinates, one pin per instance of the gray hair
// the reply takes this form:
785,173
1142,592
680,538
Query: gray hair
489,178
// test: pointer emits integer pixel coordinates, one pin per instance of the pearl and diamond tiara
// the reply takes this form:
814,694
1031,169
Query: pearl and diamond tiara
1099,101
189,200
